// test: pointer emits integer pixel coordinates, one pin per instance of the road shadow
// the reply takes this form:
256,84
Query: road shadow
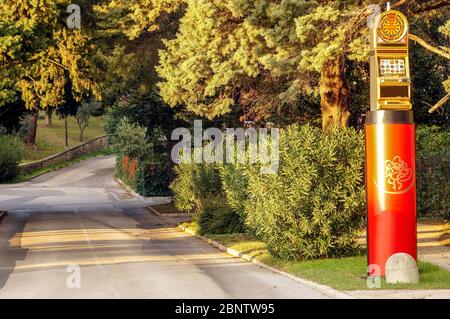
95,237
10,248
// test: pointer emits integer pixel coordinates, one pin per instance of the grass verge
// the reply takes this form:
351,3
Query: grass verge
340,273
50,140
36,173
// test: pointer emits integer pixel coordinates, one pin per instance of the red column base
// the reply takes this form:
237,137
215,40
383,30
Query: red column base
390,188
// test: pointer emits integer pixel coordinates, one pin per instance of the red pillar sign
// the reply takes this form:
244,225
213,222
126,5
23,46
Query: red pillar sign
390,146
390,186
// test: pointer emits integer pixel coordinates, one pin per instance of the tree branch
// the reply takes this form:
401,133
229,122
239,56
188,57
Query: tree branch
429,47
58,64
431,5
439,104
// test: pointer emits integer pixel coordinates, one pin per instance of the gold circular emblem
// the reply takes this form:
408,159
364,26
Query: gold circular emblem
392,26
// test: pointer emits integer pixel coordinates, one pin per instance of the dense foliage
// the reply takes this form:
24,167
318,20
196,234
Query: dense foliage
311,208
433,172
263,57
197,188
39,54
235,185
11,116
143,176
314,206
284,61
11,153
138,164
131,140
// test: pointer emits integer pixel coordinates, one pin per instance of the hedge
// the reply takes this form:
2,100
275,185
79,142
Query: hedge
145,178
139,165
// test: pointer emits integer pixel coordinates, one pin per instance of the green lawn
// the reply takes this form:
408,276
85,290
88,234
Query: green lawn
50,140
340,273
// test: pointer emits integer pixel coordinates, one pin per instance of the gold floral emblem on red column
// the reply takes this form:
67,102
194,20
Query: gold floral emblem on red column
399,175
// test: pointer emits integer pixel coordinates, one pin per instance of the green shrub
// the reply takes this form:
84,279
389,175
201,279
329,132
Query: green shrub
131,140
185,187
194,184
198,188
314,206
143,176
433,172
153,179
138,164
219,218
11,154
235,186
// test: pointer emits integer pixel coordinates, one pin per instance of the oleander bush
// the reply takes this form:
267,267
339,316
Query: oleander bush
218,217
194,184
198,188
185,188
433,172
315,204
235,186
11,154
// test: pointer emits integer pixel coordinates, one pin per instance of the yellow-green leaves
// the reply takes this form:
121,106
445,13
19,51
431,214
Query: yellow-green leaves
41,55
226,50
135,17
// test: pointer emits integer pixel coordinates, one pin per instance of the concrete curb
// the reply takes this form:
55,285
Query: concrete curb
150,208
128,188
330,292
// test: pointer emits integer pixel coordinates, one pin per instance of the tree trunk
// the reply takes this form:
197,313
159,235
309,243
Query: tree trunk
31,123
334,94
48,117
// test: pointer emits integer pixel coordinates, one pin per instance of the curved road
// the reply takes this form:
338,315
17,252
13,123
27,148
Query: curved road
76,233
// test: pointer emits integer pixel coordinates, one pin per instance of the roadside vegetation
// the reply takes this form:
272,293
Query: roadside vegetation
315,205
307,218
346,273
11,153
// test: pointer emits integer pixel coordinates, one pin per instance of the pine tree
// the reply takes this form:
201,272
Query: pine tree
267,53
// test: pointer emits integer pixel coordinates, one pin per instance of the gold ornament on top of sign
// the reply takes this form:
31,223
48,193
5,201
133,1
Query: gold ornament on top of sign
392,26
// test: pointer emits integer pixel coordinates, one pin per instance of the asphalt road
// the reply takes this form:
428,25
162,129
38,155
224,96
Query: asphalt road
76,233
